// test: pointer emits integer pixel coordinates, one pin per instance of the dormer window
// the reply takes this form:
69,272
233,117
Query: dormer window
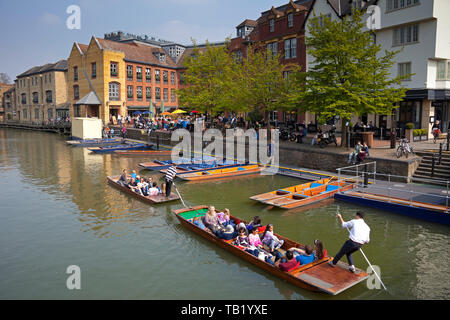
162,57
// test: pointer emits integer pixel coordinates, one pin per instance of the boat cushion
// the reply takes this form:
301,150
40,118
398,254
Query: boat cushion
240,169
332,188
315,185
194,213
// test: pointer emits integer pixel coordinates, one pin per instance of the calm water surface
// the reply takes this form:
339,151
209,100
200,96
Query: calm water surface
56,210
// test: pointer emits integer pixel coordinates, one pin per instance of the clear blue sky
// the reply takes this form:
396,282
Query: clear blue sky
35,32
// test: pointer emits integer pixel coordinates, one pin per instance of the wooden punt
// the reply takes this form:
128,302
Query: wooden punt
279,193
131,146
143,152
149,199
300,199
317,276
184,168
224,173
94,142
157,165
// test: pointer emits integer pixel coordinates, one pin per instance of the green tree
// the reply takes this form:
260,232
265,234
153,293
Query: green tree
349,76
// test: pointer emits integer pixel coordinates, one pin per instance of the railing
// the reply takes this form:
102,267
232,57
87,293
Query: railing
362,178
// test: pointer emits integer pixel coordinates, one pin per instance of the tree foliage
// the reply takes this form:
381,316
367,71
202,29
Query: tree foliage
4,78
349,75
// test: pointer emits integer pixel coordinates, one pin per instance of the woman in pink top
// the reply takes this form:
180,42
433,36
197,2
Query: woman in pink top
254,239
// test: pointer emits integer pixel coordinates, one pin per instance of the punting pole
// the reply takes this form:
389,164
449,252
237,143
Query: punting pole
181,198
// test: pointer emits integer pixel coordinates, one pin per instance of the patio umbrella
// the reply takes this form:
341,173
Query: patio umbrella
194,111
145,112
166,114
136,112
178,111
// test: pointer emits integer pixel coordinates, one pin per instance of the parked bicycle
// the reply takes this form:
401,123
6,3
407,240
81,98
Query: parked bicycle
326,138
404,148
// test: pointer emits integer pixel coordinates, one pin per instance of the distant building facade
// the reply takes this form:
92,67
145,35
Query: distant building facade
4,99
41,93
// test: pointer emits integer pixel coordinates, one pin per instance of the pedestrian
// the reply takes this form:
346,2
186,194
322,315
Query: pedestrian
124,132
359,235
170,175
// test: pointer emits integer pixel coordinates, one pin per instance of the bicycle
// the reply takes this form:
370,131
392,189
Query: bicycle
404,148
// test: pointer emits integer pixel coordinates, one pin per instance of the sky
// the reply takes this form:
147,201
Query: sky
35,32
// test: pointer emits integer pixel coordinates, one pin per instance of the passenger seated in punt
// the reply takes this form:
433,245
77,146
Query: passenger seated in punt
270,239
123,178
227,233
198,222
254,224
287,264
154,191
211,221
225,218
242,240
308,255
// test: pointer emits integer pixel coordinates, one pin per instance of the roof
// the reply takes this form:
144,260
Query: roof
249,23
90,99
344,7
61,65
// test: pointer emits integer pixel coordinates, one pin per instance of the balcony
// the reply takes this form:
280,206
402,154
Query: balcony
113,98
114,74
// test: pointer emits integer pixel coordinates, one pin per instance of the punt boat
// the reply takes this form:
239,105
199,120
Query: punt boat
143,152
317,276
130,146
113,181
316,191
221,173
183,168
94,142
157,165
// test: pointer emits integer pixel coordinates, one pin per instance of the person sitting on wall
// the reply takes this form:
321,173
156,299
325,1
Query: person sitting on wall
352,157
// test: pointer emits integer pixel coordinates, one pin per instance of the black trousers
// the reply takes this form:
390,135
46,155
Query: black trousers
348,248
168,187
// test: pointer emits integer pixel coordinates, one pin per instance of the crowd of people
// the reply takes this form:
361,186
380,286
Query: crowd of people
358,154
141,185
258,240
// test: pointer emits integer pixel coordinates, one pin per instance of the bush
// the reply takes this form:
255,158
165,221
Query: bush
424,132
417,132
409,125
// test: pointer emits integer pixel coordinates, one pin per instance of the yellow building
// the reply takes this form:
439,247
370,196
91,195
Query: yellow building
96,81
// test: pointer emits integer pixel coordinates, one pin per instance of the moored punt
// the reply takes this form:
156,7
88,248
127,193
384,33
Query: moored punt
224,173
136,146
316,276
143,152
94,142
279,193
183,168
149,199
157,165
303,198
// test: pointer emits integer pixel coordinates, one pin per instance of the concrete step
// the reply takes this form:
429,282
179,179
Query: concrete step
443,173
428,177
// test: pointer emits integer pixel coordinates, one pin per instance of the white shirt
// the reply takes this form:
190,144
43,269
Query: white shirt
359,230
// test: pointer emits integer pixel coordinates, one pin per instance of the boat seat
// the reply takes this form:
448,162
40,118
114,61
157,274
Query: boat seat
315,185
240,169
332,188
282,191
299,196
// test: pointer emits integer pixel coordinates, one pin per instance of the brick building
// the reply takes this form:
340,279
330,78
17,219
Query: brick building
125,72
4,88
41,93
8,104
280,30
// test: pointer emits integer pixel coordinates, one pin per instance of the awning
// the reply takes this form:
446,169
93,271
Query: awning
89,99
139,108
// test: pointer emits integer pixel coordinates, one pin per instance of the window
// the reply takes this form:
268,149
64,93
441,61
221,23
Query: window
130,73
139,93
48,96
25,115
172,95
272,49
114,70
148,75
24,98
181,79
290,20
35,97
94,70
77,111
405,35
237,55
148,93
166,94
443,70
157,76
165,77
50,114
139,73
322,19
75,73
114,91
271,25
400,4
45,79
130,92
162,57
36,114
404,69
49,77
172,78
290,48
157,94
76,92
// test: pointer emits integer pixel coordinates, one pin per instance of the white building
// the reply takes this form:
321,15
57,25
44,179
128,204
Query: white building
422,29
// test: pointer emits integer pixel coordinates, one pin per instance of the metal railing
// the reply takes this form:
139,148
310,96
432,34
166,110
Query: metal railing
368,180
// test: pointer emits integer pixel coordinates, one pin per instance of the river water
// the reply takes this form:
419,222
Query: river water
57,210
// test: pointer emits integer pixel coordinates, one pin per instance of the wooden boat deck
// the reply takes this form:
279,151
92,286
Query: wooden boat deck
316,276
221,173
149,199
